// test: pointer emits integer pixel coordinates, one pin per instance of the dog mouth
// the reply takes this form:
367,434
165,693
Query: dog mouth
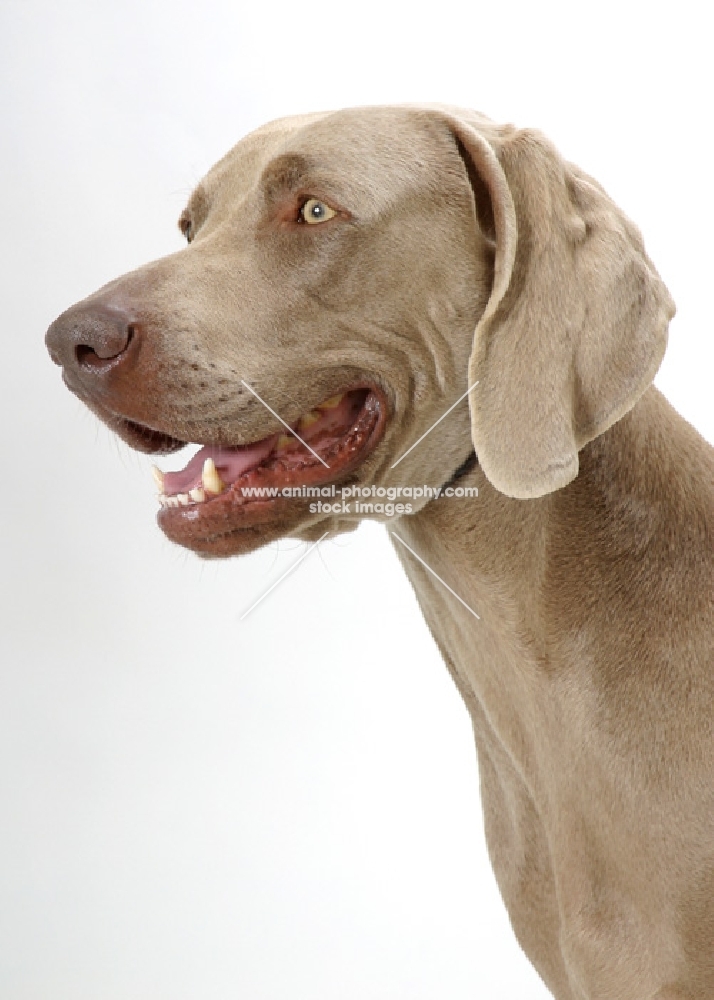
228,500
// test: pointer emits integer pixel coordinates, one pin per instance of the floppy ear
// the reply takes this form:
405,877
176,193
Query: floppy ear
576,325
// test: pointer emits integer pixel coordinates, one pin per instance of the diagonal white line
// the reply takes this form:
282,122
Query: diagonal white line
434,425
287,572
426,566
278,417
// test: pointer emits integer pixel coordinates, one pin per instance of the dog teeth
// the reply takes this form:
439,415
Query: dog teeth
212,482
158,477
332,402
309,419
196,495
283,441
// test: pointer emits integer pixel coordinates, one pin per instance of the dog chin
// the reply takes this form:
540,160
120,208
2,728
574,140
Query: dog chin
242,541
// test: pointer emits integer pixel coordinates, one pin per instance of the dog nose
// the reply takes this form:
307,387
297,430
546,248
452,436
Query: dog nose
91,338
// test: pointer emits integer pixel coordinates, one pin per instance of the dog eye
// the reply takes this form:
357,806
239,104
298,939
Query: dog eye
314,211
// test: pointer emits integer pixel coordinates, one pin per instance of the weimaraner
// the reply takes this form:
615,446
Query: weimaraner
349,277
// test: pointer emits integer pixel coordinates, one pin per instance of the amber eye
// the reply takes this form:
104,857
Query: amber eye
315,211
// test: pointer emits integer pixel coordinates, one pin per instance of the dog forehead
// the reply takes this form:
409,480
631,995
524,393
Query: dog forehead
369,152
381,134
244,162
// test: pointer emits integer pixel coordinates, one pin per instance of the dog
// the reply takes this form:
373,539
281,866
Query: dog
378,297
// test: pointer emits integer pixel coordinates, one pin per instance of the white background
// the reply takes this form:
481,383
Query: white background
194,807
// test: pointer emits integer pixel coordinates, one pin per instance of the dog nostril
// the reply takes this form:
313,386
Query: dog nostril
105,349
85,355
88,358
93,337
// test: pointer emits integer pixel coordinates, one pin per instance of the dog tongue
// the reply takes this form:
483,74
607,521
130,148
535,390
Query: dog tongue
230,462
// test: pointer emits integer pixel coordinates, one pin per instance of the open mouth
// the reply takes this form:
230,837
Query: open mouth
230,500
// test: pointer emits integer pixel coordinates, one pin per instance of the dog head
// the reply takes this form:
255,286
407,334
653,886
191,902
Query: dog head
348,277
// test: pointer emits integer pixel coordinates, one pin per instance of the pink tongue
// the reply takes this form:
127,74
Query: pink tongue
230,462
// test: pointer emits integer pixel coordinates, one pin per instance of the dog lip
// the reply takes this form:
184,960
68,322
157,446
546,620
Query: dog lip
322,427
143,438
231,523
153,440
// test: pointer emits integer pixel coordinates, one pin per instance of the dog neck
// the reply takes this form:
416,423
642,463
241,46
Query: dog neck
559,582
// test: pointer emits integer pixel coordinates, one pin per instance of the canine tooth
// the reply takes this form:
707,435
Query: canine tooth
332,402
197,494
158,477
183,499
210,478
284,440
309,419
